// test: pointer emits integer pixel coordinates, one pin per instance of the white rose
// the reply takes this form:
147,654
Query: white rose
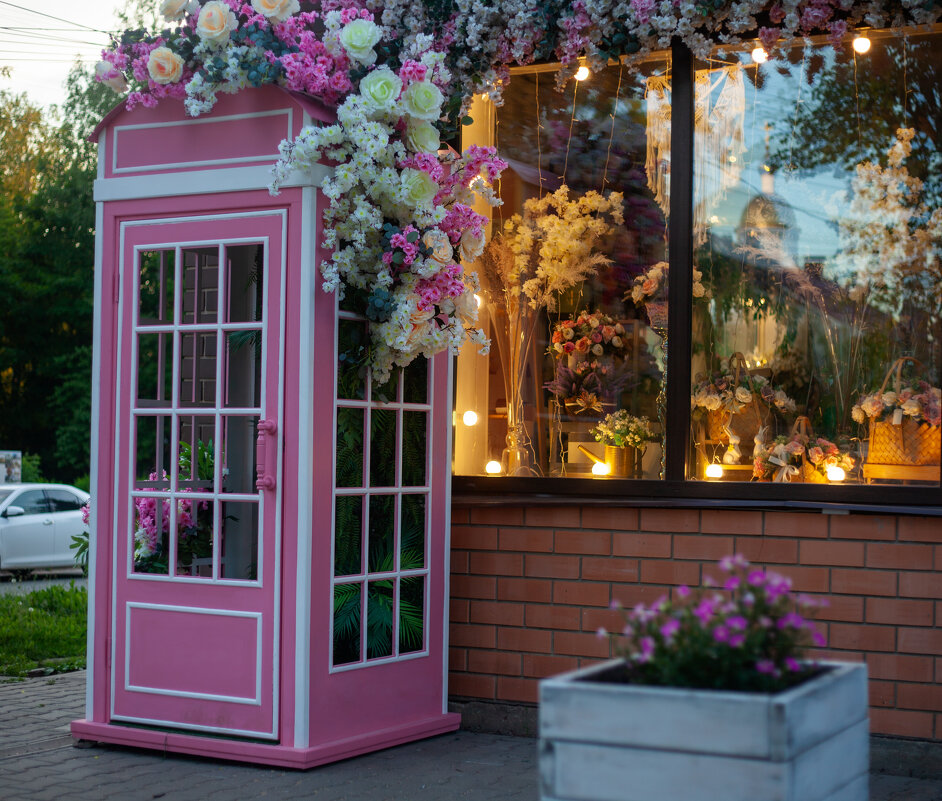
216,22
616,342
858,414
417,188
380,89
597,350
911,407
567,333
558,347
107,74
178,9
358,38
470,245
164,66
276,10
422,100
743,395
619,328
437,241
422,137
889,398
712,402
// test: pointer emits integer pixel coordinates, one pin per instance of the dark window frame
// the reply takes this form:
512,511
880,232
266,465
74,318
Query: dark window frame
675,488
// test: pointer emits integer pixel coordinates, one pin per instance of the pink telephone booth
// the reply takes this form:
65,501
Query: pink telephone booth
268,578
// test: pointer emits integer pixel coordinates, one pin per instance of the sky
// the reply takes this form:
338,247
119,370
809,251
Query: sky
41,49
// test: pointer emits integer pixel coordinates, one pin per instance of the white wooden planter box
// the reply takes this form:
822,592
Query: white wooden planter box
603,741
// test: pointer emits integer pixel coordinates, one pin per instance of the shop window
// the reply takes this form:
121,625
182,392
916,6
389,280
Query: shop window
807,294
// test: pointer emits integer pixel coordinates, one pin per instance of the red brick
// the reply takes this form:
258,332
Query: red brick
862,638
459,561
608,619
899,667
700,546
899,612
457,658
496,564
515,689
460,515
901,723
593,542
526,539
920,529
863,527
920,641
540,666
610,517
902,557
496,612
672,520
630,595
553,516
938,557
458,610
805,579
664,572
543,616
920,585
938,727
471,636
474,537
938,671
470,685
473,587
882,693
766,550
863,582
541,566
635,544
598,568
534,640
845,608
497,515
520,589
581,593
717,521
579,644
919,696
796,524
500,662
843,554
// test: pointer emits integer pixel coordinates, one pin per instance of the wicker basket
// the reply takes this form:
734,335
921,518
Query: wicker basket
747,421
910,442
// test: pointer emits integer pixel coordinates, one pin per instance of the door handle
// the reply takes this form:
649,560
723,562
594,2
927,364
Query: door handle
266,463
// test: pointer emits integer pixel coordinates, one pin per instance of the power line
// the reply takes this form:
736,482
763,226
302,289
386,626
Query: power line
50,16
29,38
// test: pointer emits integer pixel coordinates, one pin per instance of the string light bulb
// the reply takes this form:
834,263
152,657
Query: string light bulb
470,418
759,56
861,44
714,470
582,73
600,469
836,473
493,468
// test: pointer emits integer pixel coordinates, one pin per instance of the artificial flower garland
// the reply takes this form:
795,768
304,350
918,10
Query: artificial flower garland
400,75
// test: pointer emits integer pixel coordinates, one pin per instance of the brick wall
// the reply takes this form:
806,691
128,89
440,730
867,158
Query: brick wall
531,585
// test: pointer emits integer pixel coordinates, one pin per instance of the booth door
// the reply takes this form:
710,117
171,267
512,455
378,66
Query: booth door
197,541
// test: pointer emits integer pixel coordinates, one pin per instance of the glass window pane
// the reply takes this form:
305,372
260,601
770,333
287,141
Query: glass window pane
819,326
152,452
347,614
412,533
383,447
348,535
239,541
154,370
349,447
415,381
388,392
196,452
414,448
577,336
197,359
200,285
150,534
244,283
238,454
411,614
155,287
242,369
351,371
194,537
382,526
379,621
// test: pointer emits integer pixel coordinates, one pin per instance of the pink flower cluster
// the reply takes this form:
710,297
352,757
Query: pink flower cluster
147,515
445,284
461,218
427,163
400,242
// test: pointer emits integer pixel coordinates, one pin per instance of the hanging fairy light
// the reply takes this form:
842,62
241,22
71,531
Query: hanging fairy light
759,56
861,44
582,73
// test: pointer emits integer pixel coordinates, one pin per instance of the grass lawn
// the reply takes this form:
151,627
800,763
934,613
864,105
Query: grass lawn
44,629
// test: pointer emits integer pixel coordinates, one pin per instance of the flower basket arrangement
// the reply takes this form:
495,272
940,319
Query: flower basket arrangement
904,423
589,335
710,687
625,438
649,291
802,458
588,388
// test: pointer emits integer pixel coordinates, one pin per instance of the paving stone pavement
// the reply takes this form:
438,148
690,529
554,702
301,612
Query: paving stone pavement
39,763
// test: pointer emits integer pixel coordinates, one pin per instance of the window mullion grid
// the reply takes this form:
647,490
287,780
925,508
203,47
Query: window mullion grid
175,404
680,258
222,289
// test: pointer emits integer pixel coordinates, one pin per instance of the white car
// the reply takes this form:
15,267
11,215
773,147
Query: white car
37,523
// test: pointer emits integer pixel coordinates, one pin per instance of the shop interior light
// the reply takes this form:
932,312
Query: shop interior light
469,418
493,468
861,44
836,473
582,73
714,470
600,469
479,300
759,55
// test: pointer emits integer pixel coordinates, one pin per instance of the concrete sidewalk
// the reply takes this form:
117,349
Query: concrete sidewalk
38,761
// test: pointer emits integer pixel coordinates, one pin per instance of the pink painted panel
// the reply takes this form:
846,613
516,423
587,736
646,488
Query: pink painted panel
196,651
